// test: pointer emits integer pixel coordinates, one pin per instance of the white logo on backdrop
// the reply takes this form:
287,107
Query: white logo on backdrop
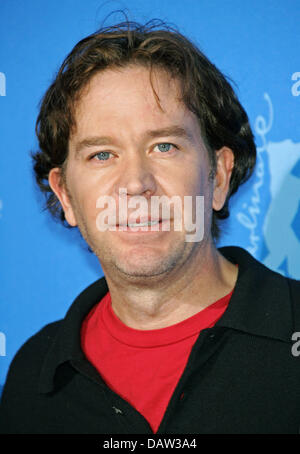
280,236
249,218
2,84
2,344
279,231
296,85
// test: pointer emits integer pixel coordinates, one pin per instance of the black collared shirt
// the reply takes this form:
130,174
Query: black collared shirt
242,376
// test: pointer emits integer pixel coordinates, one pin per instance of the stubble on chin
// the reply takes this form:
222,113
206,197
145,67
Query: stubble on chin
134,264
138,267
145,269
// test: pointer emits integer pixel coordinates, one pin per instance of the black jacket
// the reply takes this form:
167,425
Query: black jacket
242,376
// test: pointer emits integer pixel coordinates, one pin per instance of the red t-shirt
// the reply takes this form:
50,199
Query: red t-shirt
143,366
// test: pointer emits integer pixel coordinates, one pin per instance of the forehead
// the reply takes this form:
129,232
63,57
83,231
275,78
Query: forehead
131,99
131,83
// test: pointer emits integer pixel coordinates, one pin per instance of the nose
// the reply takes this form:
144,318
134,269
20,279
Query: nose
137,176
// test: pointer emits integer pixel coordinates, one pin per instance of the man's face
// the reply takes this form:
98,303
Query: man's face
123,139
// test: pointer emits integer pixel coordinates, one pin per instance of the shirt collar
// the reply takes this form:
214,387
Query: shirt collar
259,305
66,346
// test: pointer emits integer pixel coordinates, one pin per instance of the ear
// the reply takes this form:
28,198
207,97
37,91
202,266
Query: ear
58,186
224,167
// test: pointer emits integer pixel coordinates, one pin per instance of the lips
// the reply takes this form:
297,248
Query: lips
148,226
139,222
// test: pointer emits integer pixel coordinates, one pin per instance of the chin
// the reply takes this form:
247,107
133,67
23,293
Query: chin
141,267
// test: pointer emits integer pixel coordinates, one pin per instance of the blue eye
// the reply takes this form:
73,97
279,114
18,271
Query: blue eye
103,155
164,147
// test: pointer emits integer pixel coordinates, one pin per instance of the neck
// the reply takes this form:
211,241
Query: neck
160,302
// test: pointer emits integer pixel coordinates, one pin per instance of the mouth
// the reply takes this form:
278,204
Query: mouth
143,226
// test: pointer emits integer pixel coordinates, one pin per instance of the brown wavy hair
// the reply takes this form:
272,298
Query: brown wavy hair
205,91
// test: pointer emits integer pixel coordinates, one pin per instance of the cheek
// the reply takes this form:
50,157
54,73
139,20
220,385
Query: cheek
201,185
196,181
84,198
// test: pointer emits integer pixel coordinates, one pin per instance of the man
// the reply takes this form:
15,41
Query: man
179,337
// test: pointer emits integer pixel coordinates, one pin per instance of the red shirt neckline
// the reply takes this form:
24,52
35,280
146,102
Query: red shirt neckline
205,318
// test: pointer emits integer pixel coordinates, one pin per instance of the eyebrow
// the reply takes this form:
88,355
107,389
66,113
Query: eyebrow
174,131
92,142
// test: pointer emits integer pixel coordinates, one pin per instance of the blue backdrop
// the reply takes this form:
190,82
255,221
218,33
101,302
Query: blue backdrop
44,266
